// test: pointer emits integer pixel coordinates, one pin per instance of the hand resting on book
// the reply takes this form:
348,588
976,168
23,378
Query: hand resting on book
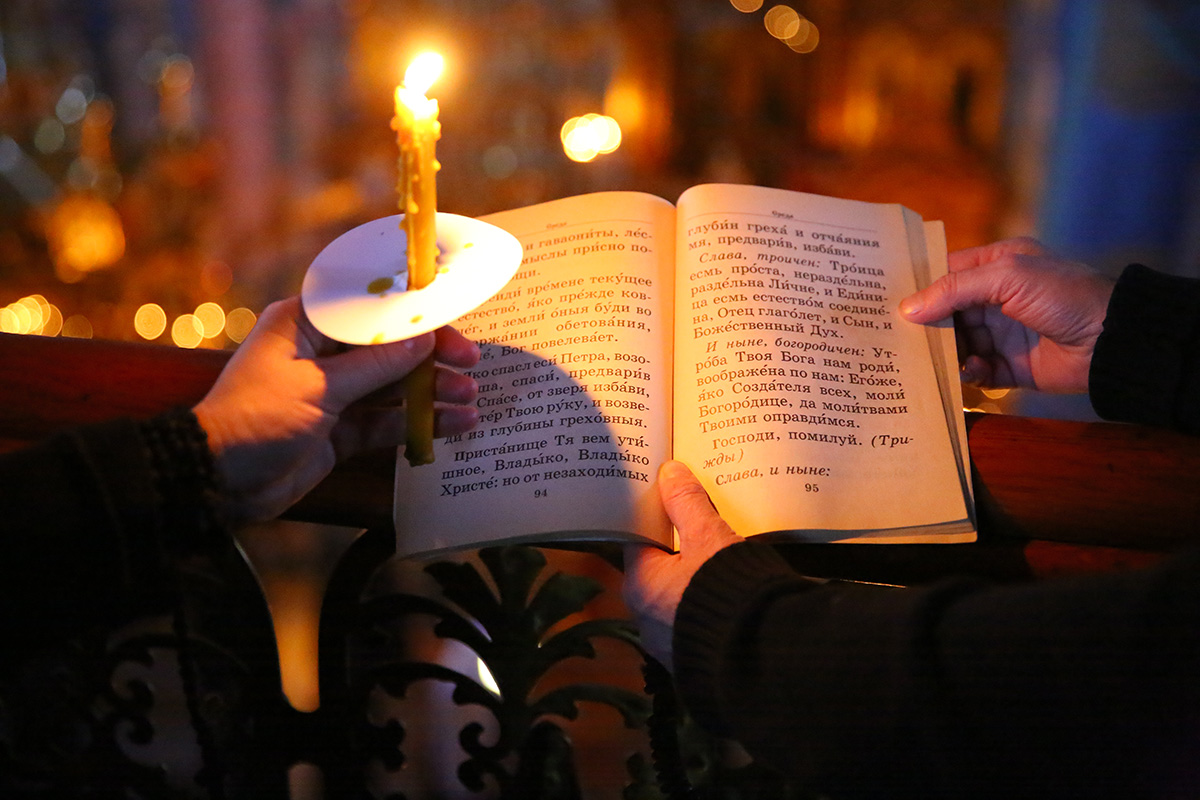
291,403
655,580
1024,317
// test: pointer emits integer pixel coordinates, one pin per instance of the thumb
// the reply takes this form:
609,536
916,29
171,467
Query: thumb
361,370
701,528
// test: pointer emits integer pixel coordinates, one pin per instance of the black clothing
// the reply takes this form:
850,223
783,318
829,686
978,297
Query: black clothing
93,520
1083,687
1146,367
104,527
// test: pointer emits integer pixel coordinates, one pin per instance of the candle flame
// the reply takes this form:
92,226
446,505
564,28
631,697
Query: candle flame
423,71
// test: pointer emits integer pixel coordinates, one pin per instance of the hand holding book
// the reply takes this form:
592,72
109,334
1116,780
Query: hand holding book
1025,317
751,333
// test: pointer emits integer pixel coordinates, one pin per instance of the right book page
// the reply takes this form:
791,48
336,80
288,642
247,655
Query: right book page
806,406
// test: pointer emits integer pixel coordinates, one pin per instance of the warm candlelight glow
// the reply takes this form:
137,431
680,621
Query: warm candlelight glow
588,136
150,321
85,234
417,131
423,71
238,323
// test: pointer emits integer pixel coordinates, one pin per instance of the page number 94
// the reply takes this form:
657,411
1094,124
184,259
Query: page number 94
540,492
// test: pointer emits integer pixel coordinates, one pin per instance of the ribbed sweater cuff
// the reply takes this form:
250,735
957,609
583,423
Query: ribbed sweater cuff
1146,365
721,596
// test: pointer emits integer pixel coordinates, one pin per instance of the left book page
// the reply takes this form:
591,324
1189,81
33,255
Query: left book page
575,388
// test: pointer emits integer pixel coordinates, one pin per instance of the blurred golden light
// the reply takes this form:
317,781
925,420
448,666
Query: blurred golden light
32,315
579,147
38,300
150,321
37,307
295,607
19,315
994,394
588,136
861,118
85,234
624,101
186,331
747,5
215,278
238,323
212,319
607,132
9,321
54,322
423,71
806,39
77,326
782,22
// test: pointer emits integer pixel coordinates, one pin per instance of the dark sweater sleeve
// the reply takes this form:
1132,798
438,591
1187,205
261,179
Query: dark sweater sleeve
1072,688
91,518
1146,366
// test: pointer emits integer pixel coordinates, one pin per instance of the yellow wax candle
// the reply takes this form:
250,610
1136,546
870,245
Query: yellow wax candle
417,131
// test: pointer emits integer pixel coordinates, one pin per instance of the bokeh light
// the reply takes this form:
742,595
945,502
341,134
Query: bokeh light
787,25
782,22
150,321
33,315
50,136
590,135
238,323
9,321
747,6
186,331
54,322
212,319
36,305
177,73
85,234
806,39
71,106
215,278
77,326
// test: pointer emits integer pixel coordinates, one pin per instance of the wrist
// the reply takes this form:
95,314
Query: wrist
186,479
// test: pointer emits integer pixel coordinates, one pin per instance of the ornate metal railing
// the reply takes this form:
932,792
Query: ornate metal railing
114,711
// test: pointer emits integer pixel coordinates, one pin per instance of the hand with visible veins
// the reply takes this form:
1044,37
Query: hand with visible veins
1023,317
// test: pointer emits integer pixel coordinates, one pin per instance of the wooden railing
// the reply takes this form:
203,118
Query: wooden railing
1069,496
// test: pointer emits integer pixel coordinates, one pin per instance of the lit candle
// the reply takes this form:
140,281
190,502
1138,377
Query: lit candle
417,131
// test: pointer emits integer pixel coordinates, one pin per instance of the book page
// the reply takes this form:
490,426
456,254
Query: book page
945,358
574,387
804,403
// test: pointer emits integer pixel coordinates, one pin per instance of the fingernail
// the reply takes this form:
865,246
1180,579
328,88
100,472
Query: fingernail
910,306
670,469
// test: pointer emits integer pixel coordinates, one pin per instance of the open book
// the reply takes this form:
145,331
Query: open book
751,333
